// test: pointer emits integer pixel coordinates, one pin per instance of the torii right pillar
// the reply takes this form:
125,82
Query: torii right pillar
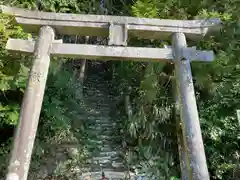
188,111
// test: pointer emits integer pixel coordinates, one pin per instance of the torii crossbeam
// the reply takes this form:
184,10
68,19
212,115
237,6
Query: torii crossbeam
118,29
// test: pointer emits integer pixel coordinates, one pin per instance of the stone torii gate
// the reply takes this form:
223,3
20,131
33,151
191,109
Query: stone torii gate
118,29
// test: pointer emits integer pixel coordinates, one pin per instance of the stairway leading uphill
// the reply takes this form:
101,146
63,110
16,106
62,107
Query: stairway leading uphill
104,140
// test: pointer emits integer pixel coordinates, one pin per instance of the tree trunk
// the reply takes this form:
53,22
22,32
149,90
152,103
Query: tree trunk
83,66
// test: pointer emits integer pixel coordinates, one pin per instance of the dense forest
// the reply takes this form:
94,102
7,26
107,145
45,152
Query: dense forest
149,123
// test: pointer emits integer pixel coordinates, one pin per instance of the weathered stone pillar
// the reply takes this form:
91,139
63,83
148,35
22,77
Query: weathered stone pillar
183,157
188,111
31,107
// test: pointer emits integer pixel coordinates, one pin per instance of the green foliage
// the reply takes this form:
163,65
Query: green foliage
220,97
149,133
150,125
13,72
145,8
9,114
13,76
60,106
61,99
217,83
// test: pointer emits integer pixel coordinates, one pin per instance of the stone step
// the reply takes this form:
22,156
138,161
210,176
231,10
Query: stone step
96,83
97,93
97,142
101,142
96,80
101,147
103,99
99,117
93,102
98,127
99,77
92,123
99,100
108,166
105,162
108,137
91,98
95,90
100,122
93,113
105,148
107,132
113,155
109,174
102,160
109,153
96,166
102,125
101,132
112,175
117,164
96,101
100,109
99,97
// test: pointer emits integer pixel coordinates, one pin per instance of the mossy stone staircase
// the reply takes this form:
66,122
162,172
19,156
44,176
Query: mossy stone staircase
103,135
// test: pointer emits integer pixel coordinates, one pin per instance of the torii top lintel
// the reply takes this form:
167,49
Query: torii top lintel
98,25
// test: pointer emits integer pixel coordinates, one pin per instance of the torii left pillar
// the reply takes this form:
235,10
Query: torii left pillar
31,107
